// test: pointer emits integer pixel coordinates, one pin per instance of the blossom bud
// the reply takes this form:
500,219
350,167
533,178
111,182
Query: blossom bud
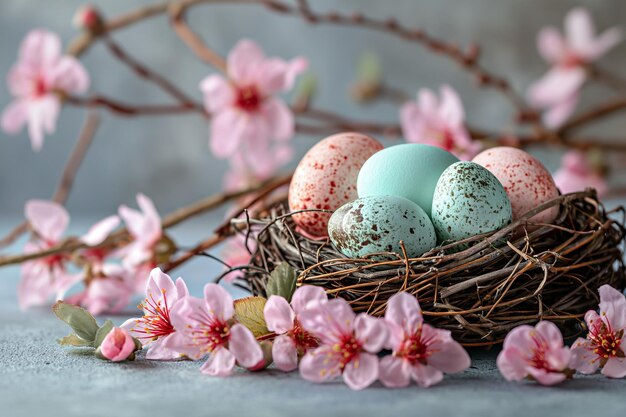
88,18
118,345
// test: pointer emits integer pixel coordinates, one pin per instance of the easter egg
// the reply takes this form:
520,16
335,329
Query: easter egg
526,181
326,179
378,223
409,170
468,200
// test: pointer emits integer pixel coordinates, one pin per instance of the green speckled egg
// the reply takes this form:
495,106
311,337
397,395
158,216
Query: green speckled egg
378,223
410,170
468,200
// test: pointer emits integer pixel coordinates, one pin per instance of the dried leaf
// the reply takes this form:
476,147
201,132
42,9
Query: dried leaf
249,312
282,281
74,340
78,319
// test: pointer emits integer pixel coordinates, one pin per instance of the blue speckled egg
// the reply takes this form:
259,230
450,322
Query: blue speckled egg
468,200
410,170
378,223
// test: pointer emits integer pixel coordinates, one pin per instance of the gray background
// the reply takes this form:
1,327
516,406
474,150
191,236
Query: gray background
168,157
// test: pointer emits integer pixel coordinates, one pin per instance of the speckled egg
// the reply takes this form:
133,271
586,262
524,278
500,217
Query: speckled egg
326,179
526,181
468,200
409,170
378,223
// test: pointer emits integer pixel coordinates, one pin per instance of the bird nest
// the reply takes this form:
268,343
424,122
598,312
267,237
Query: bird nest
478,288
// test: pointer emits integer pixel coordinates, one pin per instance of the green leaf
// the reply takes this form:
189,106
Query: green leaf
78,319
102,332
249,312
74,340
282,281
368,69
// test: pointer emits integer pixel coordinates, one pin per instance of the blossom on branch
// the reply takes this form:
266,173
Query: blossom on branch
576,174
604,345
569,54
38,81
419,351
438,122
282,318
348,344
246,115
535,352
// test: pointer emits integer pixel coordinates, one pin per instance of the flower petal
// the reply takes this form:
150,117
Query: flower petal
328,321
218,93
582,358
42,117
451,109
615,368
275,75
285,354
47,218
426,376
546,378
361,372
550,333
40,48
219,302
69,75
101,230
404,310
307,295
278,315
161,287
613,305
279,119
244,346
159,351
181,288
244,61
319,365
14,117
557,85
551,45
512,364
560,112
371,332
219,363
394,372
449,356
229,129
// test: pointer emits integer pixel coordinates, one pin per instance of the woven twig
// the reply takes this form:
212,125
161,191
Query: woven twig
478,288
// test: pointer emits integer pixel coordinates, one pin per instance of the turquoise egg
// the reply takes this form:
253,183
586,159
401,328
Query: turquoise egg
409,170
377,224
468,200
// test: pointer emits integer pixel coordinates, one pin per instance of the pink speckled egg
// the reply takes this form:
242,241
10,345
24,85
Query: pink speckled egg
326,179
526,181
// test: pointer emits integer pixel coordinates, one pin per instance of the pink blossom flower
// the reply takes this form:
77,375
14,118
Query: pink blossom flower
204,327
145,228
348,344
236,254
283,319
100,230
438,122
118,345
44,277
36,81
420,352
575,174
604,345
108,288
155,327
246,115
535,352
558,90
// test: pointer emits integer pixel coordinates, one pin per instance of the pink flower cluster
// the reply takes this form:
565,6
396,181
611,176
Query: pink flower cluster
324,338
111,276
570,56
538,353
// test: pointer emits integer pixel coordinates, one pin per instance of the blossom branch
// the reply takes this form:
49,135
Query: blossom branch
126,109
602,110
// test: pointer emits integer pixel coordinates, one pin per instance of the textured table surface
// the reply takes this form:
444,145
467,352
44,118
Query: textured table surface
38,377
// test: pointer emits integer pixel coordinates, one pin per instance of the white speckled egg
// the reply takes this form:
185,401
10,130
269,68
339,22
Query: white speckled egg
526,181
326,179
410,170
468,200
377,224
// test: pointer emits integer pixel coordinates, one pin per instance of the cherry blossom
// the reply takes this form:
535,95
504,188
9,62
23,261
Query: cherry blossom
604,345
569,55
282,318
155,326
246,115
47,276
118,345
419,351
535,352
439,122
37,81
348,344
204,327
576,174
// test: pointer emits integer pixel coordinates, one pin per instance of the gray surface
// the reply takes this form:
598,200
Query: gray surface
38,377
157,155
